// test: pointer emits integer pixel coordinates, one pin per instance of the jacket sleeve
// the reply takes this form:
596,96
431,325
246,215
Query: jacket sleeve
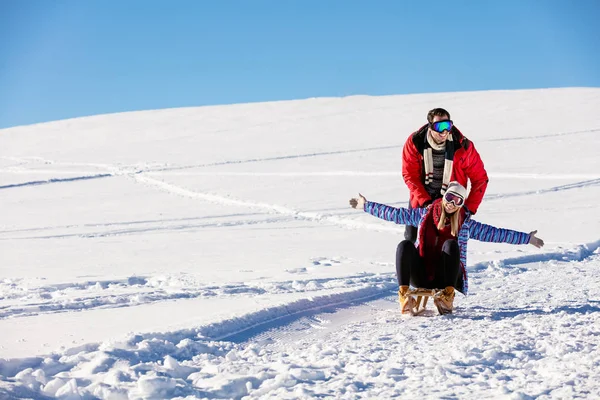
477,174
412,171
403,216
488,233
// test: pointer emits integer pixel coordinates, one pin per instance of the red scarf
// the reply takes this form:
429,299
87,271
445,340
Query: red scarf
431,239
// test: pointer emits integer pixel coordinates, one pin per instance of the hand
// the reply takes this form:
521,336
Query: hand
536,241
358,203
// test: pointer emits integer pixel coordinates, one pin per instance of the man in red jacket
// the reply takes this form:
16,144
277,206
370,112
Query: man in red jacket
435,155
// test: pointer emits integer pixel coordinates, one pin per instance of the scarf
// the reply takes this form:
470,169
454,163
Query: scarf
431,240
428,159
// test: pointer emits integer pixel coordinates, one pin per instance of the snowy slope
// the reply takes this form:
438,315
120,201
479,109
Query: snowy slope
211,253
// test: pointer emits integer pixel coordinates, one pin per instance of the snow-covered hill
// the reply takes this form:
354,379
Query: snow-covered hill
211,253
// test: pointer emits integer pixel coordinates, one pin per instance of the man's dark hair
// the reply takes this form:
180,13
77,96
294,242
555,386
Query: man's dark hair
437,112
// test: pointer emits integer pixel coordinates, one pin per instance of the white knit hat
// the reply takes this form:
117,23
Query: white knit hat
457,188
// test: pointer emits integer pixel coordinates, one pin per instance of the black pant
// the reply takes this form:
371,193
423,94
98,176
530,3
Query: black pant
410,266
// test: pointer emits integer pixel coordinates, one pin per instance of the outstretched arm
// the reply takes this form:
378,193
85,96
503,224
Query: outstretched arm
488,233
403,216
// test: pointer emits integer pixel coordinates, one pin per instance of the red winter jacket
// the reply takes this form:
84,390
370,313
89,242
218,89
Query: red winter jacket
467,165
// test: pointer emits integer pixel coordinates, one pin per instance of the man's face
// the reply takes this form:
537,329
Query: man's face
439,138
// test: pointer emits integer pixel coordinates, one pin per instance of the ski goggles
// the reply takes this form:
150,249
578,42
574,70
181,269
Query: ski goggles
441,126
451,197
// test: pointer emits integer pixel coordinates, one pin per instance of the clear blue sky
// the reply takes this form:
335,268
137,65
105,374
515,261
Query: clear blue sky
61,59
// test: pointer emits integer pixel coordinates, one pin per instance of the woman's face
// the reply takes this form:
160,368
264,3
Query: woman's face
450,207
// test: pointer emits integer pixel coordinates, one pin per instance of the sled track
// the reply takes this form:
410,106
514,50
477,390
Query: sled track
543,136
309,216
128,223
263,319
576,185
56,180
278,158
137,290
149,229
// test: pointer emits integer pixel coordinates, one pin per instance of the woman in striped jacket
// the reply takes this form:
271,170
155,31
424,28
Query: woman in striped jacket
439,257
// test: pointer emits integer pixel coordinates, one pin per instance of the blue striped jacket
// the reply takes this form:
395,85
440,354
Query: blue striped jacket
469,229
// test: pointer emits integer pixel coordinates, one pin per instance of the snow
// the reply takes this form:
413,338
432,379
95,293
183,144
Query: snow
211,253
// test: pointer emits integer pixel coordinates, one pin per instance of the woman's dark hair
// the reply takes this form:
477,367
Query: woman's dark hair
437,112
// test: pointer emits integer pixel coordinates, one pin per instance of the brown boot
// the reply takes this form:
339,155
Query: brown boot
444,300
407,303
